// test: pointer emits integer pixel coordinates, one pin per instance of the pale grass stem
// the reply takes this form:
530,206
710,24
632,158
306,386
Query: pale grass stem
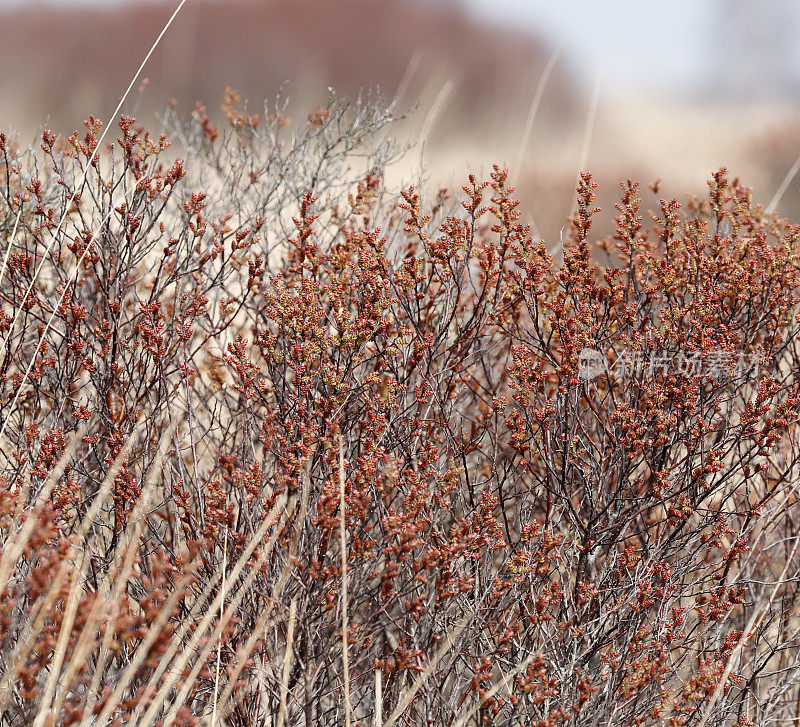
15,545
88,166
99,615
154,632
790,175
11,242
407,76
224,621
175,642
588,131
39,610
219,642
132,531
343,545
526,132
65,631
537,98
120,579
49,322
378,722
241,657
752,624
287,662
465,718
408,695
262,622
435,110
178,667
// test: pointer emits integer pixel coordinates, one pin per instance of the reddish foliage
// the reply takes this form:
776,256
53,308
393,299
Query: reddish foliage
577,550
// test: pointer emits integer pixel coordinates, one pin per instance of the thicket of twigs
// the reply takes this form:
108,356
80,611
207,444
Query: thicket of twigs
282,446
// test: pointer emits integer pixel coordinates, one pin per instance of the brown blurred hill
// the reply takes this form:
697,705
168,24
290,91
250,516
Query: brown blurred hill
68,62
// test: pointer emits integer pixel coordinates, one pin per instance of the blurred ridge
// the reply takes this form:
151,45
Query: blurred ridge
72,61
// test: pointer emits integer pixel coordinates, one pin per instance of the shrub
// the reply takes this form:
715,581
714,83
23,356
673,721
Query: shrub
283,444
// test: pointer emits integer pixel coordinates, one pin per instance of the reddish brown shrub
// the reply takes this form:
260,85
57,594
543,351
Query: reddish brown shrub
280,408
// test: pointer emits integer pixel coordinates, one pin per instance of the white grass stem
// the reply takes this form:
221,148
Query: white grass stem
436,109
537,98
219,642
49,322
287,662
343,545
11,242
87,168
790,175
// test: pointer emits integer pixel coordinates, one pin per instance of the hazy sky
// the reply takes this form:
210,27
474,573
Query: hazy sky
631,42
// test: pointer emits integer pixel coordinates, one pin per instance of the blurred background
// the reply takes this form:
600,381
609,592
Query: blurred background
623,88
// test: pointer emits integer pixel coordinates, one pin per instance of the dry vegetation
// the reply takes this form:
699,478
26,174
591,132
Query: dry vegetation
282,443
256,406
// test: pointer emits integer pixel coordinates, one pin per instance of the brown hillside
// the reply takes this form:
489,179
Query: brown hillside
70,62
